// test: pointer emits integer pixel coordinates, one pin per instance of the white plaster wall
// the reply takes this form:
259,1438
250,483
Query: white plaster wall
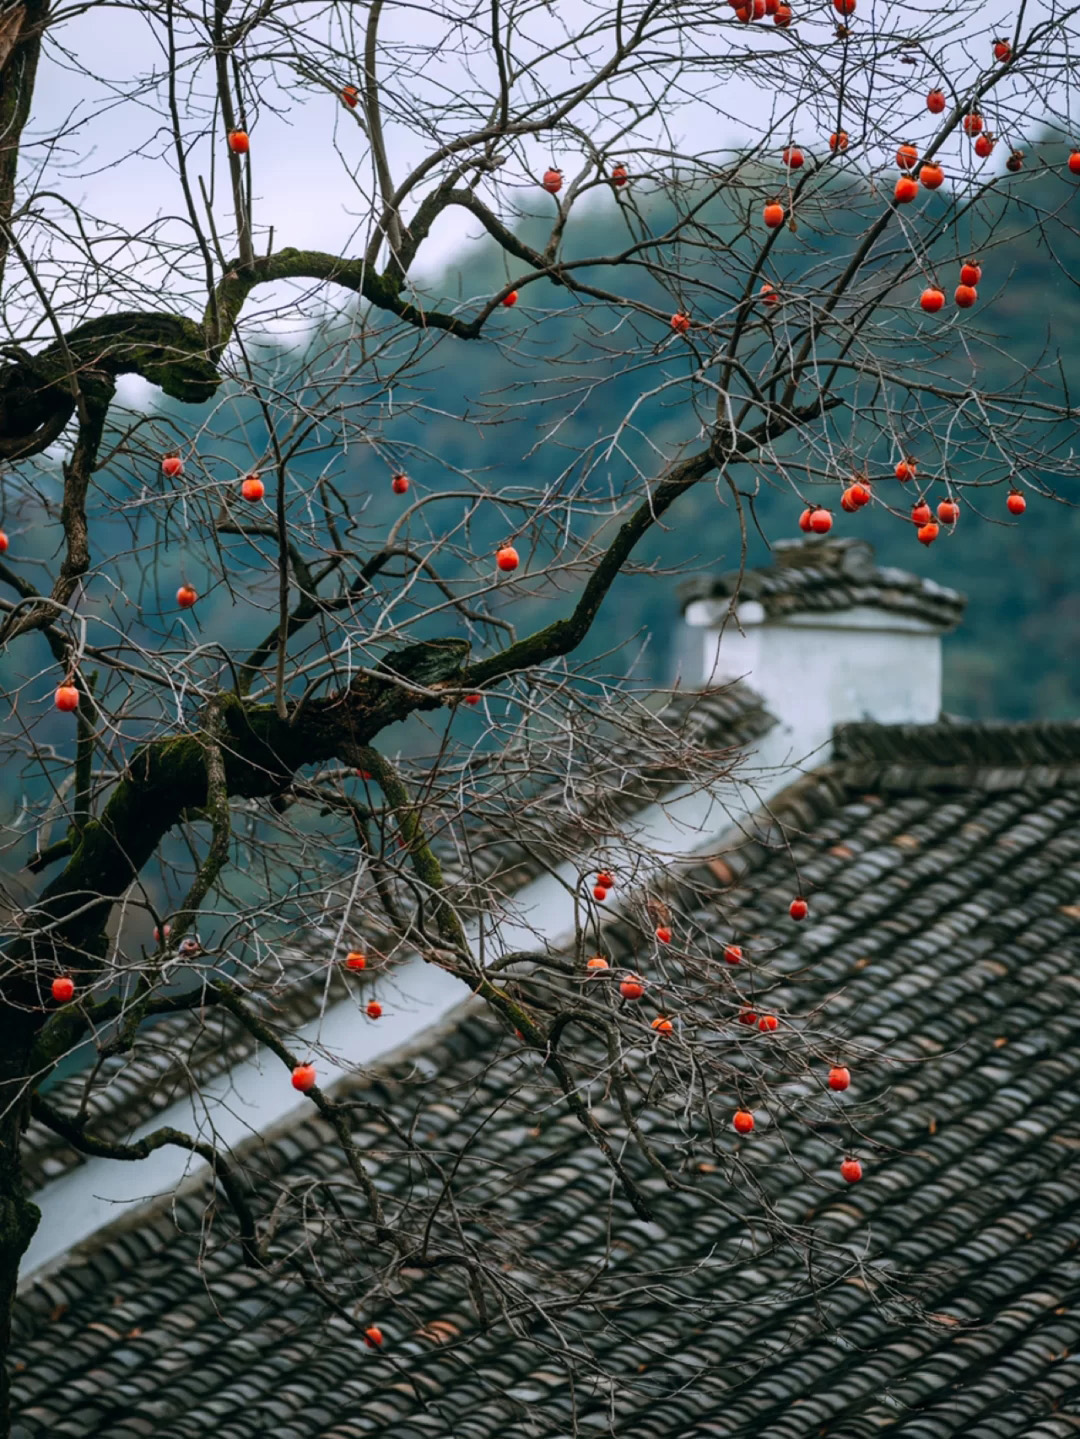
815,672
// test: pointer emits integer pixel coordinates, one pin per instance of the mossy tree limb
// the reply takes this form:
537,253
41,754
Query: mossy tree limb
362,279
21,28
168,777
36,399
175,353
75,1134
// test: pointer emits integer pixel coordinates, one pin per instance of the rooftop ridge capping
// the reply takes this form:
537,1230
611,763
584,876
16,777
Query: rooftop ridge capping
827,574
961,742
844,554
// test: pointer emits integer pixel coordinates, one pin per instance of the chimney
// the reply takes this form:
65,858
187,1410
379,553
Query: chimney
825,636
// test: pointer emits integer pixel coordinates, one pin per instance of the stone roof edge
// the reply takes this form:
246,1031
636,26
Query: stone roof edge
143,1219
816,793
914,779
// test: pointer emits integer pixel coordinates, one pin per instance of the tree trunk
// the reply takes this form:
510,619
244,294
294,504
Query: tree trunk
21,26
18,1219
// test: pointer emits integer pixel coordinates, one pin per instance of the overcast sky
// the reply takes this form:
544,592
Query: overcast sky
117,163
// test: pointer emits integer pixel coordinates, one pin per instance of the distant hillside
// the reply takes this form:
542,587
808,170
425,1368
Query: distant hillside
1015,655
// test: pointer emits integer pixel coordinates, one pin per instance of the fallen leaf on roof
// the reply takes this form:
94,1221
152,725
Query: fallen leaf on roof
906,841
722,871
841,851
439,1331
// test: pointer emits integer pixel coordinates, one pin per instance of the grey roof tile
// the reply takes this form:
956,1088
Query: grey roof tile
951,952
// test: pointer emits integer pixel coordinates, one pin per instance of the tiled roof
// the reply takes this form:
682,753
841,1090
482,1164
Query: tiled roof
945,938
590,791
820,575
981,745
133,1087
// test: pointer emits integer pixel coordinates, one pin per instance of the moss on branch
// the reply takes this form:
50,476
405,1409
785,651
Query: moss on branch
381,290
36,395
180,356
165,349
168,778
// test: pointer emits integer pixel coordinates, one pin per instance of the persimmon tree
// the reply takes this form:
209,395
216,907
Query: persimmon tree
263,670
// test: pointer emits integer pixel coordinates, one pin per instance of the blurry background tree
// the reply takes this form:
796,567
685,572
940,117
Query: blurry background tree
284,491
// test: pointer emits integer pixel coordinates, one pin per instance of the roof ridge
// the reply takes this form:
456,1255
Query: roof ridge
832,574
979,744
